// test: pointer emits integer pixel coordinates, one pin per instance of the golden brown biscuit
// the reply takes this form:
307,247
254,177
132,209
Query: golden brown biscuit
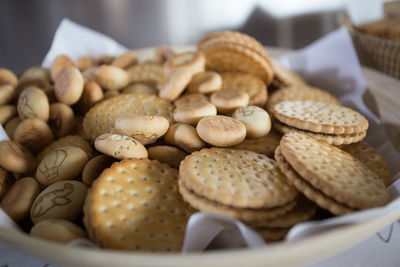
221,131
6,181
143,128
300,93
34,134
7,77
7,93
95,167
59,64
251,84
135,205
70,140
125,60
85,62
236,178
176,84
167,154
265,145
111,77
61,200
243,214
163,53
205,82
319,117
11,125
6,113
139,88
120,146
68,85
255,119
194,62
192,107
57,230
33,103
101,118
228,100
19,198
334,172
16,158
61,119
184,136
371,158
65,163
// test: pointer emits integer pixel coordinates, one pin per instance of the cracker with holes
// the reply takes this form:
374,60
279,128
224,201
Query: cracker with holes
285,76
334,139
303,211
300,93
371,158
247,215
327,175
148,73
264,145
101,118
334,124
234,51
237,38
223,56
135,205
251,84
236,183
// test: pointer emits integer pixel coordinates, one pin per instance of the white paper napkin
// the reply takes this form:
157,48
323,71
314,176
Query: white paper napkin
330,63
76,41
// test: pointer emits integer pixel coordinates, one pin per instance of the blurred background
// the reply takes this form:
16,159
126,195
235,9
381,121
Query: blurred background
27,26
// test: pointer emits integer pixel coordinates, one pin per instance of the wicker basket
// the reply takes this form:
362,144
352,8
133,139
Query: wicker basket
392,9
375,52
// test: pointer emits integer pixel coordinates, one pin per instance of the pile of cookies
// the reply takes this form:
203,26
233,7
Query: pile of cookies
123,152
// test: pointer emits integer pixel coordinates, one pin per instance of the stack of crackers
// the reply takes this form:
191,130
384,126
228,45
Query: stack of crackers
123,152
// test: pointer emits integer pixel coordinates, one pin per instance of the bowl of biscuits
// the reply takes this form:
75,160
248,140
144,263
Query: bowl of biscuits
120,153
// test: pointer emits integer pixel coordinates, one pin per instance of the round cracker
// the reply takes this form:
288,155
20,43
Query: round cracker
135,205
371,158
242,214
264,145
251,84
231,57
308,190
303,211
320,117
148,73
70,140
236,38
286,76
101,118
167,154
334,139
300,93
334,172
237,178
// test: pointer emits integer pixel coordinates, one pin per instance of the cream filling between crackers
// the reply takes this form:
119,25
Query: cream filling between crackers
317,133
227,206
317,190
